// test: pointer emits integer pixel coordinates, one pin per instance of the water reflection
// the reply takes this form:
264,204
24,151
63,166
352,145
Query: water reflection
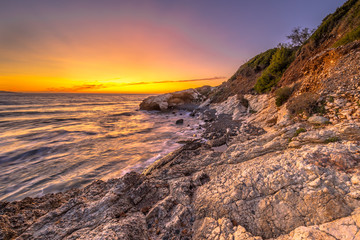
51,143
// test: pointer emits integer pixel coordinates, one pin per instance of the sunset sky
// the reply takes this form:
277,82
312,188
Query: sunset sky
140,46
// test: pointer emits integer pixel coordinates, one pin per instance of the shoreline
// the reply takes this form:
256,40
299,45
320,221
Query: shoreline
197,188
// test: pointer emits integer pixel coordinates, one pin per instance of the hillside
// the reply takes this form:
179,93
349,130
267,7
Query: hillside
337,29
279,158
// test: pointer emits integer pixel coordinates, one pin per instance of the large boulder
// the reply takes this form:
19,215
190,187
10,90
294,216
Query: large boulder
186,99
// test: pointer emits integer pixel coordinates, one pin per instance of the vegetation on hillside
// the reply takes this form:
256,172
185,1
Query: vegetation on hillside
263,72
331,21
257,63
280,60
307,104
282,95
349,37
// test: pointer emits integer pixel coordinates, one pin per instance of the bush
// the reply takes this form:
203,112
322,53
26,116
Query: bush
257,63
261,60
305,103
331,21
298,131
280,61
349,37
282,95
332,139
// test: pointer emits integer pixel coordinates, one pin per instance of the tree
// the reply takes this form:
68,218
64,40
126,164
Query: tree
299,36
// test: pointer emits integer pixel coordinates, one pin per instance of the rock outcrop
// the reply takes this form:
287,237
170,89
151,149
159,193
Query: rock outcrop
186,99
231,106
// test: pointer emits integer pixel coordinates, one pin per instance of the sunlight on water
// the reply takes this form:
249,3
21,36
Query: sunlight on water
55,142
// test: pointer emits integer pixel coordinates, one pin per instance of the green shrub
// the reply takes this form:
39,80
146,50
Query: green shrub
320,108
298,131
261,60
257,63
332,139
331,21
282,95
305,103
349,37
280,61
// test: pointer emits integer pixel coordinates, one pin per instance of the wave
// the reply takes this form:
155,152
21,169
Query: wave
46,145
24,113
27,155
128,114
49,135
13,124
8,103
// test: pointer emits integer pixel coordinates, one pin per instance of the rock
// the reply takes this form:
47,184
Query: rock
257,102
231,106
187,99
205,90
205,103
344,228
318,120
179,121
350,131
314,136
218,141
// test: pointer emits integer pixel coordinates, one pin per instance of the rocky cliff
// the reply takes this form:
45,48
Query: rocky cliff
264,169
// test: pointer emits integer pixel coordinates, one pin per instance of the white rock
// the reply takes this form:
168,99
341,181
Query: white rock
318,120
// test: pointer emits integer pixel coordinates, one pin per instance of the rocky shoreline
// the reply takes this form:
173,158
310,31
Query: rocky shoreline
243,182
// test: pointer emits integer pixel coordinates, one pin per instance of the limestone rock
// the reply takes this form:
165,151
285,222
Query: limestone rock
350,131
257,102
344,228
188,99
231,106
318,120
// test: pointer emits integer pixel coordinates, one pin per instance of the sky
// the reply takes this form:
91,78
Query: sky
140,46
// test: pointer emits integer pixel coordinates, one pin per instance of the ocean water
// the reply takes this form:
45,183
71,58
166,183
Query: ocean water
55,142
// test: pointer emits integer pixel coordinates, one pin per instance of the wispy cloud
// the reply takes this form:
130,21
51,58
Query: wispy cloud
96,86
78,88
173,81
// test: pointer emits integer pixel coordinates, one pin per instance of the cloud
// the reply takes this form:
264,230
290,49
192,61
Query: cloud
96,86
173,81
78,88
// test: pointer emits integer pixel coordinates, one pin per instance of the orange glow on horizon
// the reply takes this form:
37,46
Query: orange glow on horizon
36,84
114,62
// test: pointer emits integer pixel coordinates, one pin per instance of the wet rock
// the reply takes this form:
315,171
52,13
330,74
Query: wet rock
179,121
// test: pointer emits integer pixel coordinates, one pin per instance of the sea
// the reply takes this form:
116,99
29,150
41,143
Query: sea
55,142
